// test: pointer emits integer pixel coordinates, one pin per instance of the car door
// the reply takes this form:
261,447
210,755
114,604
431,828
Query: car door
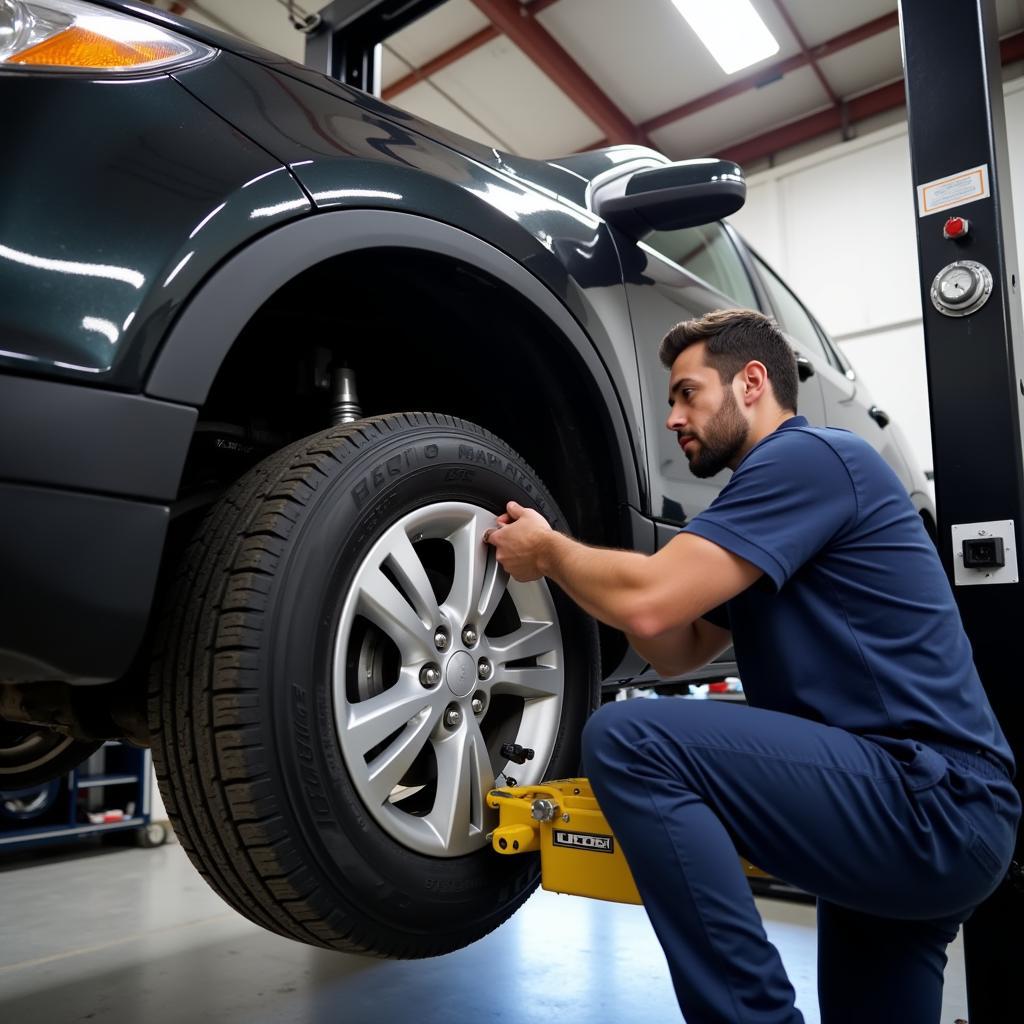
848,405
672,276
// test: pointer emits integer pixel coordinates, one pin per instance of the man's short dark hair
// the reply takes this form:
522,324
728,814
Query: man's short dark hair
733,338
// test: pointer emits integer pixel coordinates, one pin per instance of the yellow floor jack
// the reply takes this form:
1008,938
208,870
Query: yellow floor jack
579,855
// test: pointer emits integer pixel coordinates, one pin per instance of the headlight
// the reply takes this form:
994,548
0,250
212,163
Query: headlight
55,35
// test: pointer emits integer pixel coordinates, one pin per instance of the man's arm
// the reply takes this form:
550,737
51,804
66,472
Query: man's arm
684,649
643,595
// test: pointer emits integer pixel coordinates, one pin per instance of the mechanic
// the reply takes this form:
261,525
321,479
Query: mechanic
868,768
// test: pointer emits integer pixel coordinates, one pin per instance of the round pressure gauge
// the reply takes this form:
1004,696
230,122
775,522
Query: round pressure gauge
961,288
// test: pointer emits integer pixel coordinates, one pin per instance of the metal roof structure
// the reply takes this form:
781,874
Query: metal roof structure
547,77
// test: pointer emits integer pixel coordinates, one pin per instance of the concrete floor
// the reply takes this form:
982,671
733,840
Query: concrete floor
111,935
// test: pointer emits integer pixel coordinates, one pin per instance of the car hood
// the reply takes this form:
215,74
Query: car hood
565,176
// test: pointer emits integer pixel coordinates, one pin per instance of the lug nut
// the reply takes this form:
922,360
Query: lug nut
453,717
469,637
484,669
478,706
430,676
441,640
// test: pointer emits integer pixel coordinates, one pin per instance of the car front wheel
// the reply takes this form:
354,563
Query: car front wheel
340,670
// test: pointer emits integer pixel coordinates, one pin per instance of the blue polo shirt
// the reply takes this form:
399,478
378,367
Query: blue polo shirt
853,623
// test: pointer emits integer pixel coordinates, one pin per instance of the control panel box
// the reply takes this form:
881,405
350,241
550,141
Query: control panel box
984,553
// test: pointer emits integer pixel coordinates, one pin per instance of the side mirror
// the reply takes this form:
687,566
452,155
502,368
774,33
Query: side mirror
679,195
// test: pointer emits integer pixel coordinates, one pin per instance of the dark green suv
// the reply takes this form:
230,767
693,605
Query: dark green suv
273,354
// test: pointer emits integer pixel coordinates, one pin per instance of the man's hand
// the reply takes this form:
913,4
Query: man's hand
519,541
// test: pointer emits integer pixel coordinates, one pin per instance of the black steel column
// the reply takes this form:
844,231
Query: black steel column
344,44
975,362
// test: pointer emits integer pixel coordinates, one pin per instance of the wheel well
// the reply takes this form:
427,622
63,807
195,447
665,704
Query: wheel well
421,332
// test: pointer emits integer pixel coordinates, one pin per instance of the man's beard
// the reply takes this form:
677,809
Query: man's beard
722,440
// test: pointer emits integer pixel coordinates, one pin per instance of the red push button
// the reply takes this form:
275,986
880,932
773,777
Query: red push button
956,227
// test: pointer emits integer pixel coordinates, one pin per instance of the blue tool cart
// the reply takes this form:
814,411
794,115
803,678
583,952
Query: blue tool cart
109,792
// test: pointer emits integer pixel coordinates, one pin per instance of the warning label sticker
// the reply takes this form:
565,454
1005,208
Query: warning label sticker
954,190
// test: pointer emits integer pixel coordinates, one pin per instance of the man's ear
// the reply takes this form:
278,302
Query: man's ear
754,377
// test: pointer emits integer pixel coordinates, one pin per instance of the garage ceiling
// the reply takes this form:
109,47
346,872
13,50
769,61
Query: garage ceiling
547,77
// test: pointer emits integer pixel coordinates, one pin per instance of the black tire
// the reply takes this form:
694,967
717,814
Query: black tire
31,755
241,703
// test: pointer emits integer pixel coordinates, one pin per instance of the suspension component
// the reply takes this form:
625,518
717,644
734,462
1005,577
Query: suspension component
345,407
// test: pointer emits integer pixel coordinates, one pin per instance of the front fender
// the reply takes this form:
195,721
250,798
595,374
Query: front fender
349,157
117,200
205,332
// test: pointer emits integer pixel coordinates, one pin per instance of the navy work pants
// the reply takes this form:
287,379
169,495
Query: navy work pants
898,845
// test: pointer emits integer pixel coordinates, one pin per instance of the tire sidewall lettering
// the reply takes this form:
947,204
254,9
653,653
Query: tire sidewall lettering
385,470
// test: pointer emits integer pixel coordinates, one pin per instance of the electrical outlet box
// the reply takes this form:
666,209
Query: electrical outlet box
984,553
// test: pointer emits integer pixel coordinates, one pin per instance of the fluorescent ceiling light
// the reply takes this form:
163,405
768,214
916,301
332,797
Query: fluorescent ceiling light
731,29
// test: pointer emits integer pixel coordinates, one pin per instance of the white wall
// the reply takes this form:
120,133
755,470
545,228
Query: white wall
839,226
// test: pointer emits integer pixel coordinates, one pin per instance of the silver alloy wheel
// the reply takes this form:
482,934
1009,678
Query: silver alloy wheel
425,781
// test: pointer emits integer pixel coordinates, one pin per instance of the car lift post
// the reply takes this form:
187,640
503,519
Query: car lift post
973,338
345,42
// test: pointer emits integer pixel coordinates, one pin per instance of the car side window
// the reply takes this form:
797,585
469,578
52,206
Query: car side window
792,315
708,253
839,361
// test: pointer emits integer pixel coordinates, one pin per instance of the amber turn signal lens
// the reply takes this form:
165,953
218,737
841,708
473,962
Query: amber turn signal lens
79,48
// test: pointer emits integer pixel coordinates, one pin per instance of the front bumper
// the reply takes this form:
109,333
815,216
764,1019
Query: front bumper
86,480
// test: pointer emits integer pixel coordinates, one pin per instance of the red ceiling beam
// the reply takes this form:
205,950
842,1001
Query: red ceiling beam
514,21
791,25
867,105
478,39
878,101
774,71
854,36
179,7
473,42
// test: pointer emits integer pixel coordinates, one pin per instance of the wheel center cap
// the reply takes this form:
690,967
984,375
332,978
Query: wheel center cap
460,674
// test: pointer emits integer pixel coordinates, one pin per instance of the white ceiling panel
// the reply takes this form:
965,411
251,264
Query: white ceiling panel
1010,16
425,101
430,36
710,131
264,22
501,87
819,21
642,54
865,66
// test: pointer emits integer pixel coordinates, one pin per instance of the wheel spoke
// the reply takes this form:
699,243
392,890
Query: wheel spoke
529,683
464,777
371,721
495,583
403,561
385,771
382,603
471,560
533,638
